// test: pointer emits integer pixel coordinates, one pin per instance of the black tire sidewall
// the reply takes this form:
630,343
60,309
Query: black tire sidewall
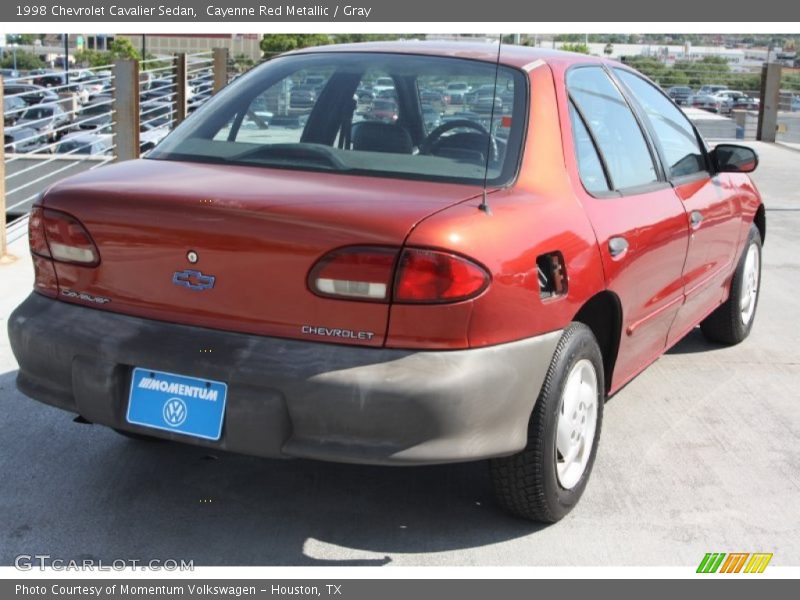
580,344
753,238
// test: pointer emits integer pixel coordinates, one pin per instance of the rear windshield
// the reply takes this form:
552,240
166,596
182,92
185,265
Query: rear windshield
257,120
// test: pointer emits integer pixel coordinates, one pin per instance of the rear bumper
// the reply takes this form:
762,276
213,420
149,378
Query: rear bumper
289,397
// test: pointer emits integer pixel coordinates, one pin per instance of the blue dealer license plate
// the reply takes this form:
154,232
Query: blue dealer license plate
170,402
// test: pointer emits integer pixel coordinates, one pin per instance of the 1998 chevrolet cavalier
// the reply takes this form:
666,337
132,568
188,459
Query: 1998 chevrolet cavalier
303,281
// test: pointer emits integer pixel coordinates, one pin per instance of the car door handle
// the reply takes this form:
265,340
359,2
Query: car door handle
695,218
617,246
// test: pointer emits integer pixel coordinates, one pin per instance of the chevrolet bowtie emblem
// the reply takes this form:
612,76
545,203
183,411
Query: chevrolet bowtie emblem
194,280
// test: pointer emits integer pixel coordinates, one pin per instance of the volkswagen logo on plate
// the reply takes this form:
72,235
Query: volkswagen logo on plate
175,412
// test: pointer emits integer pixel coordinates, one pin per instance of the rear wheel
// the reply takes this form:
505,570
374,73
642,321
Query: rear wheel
732,321
546,480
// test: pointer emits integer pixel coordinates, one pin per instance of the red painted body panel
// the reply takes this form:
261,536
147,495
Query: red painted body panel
258,231
261,230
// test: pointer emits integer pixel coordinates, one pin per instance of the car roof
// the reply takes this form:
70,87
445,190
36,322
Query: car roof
510,55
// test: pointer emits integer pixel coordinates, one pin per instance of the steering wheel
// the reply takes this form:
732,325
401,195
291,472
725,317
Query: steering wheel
428,144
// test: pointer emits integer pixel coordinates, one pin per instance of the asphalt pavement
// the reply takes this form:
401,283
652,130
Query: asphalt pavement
700,453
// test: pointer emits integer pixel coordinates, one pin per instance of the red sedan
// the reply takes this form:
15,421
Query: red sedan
394,292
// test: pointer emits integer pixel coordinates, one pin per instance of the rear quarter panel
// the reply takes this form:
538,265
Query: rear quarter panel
537,215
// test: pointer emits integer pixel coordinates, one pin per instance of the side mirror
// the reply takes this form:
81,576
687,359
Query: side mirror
731,158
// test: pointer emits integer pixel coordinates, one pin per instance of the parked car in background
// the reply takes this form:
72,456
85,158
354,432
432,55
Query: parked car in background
391,295
485,100
48,119
93,84
23,140
725,101
303,96
59,82
434,98
705,102
150,134
82,143
734,99
157,114
680,94
711,89
13,107
32,94
382,83
95,117
457,91
365,94
9,73
387,94
383,110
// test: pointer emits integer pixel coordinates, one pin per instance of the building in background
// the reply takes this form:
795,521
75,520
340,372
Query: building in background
247,44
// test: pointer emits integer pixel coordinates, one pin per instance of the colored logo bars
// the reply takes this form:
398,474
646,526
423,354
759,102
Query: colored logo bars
734,562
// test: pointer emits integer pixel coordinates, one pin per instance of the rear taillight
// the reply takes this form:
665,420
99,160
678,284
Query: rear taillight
356,273
36,237
426,276
62,237
376,274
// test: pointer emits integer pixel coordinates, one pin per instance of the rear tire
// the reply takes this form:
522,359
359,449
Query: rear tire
732,321
545,481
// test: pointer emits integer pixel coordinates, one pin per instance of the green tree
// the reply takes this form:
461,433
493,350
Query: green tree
25,60
243,62
23,39
272,43
575,47
117,49
123,48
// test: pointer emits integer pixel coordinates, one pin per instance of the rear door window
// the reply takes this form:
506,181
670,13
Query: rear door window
614,128
676,136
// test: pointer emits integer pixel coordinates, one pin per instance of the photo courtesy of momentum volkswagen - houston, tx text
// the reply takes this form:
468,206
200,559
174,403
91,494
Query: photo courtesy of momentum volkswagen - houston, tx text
431,289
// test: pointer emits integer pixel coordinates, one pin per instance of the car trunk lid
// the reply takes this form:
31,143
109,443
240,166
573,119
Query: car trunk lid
230,247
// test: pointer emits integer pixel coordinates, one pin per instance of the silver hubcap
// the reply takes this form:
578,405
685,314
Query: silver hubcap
577,421
751,276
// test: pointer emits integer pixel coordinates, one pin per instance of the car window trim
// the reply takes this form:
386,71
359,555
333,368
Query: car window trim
600,156
680,179
661,182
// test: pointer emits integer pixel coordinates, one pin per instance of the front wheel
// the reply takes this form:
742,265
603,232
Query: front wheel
546,480
732,320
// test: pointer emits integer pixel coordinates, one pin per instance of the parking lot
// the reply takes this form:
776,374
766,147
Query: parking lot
700,453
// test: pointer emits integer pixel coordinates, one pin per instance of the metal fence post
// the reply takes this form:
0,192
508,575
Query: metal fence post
126,105
770,100
220,68
181,85
3,240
